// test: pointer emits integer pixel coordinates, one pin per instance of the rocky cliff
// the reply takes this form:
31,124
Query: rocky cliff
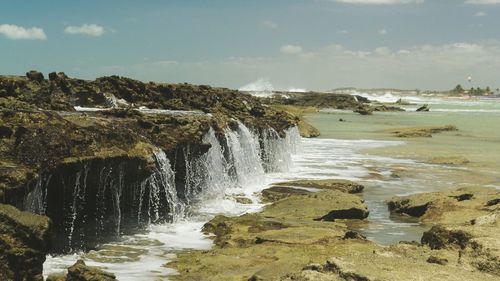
89,154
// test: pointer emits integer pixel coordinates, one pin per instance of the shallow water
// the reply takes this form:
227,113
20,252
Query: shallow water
478,139
360,149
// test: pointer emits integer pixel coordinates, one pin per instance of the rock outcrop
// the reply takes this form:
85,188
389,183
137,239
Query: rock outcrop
318,100
24,241
297,228
87,154
464,224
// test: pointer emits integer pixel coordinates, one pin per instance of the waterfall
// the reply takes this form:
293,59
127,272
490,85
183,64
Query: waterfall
160,188
277,152
245,158
91,201
36,200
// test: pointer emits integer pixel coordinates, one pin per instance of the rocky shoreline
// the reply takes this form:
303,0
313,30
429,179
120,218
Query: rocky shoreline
85,162
305,235
85,155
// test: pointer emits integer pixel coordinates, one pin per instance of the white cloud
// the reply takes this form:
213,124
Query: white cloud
422,66
15,32
482,2
380,2
344,31
382,31
270,24
86,29
291,49
480,14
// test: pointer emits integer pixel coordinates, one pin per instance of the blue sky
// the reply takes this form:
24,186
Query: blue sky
311,44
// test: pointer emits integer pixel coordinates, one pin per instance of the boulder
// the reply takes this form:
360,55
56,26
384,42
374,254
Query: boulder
35,76
24,242
327,205
440,237
81,272
364,110
423,108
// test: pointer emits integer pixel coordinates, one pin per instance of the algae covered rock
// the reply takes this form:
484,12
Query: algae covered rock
81,272
24,241
276,193
459,205
333,184
422,131
327,205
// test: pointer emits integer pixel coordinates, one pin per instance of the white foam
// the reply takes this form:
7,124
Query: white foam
262,87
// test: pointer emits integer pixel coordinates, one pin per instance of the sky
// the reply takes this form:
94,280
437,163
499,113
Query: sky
306,44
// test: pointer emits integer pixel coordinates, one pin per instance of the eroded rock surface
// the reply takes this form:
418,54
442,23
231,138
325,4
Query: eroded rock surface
24,240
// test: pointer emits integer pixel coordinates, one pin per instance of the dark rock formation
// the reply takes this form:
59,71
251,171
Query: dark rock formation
364,110
93,167
318,100
352,213
24,240
423,108
439,237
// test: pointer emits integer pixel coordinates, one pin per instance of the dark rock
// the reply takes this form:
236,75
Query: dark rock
364,110
385,108
35,76
463,197
52,76
353,235
5,132
24,241
440,237
436,260
493,202
407,206
423,108
81,272
317,99
352,213
276,193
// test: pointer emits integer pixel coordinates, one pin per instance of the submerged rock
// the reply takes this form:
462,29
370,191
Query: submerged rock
333,184
423,108
276,193
422,131
24,241
449,160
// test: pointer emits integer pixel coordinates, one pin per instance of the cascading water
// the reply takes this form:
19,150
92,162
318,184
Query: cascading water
277,151
160,187
234,164
245,156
